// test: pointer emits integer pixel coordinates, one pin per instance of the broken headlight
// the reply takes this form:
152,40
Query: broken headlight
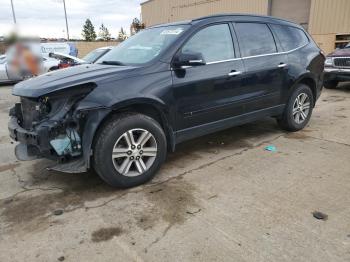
65,99
65,135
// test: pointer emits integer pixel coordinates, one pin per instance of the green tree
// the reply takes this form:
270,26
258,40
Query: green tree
136,26
122,35
89,33
104,33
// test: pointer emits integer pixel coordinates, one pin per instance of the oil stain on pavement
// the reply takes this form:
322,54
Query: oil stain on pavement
106,233
32,209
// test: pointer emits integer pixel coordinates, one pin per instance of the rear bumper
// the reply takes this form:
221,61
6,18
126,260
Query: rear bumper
336,74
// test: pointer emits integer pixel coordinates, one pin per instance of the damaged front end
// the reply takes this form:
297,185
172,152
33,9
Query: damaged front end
51,127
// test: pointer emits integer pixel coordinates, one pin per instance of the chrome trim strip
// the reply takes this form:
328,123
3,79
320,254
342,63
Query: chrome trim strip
215,62
223,61
195,61
184,67
337,70
277,53
335,57
247,57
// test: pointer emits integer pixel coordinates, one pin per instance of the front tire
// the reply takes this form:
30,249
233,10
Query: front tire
129,150
298,110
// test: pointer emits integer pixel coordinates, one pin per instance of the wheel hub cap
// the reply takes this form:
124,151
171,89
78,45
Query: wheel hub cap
134,152
301,108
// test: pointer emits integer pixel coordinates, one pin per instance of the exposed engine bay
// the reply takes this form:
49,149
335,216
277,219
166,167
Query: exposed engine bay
49,126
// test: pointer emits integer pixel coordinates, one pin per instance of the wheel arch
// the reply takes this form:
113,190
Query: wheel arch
146,106
309,80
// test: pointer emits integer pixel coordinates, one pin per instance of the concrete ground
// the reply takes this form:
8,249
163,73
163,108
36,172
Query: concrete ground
221,197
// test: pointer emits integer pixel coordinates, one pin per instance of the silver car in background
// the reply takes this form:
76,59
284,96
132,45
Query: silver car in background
94,55
48,63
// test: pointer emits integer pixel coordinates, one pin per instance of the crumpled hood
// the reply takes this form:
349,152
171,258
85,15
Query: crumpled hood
61,79
340,52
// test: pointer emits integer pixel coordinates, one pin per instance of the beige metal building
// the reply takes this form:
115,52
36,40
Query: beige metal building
328,21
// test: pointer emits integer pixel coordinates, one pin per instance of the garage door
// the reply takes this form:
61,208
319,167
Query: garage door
297,11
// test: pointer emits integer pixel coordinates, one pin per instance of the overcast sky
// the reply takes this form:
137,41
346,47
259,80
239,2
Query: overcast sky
45,18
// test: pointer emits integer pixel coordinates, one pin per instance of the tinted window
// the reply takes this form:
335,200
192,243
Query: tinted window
255,39
290,37
214,42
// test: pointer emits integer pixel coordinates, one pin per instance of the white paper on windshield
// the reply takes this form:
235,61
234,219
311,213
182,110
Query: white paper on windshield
139,47
176,31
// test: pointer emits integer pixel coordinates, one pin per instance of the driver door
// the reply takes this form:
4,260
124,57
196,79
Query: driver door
211,92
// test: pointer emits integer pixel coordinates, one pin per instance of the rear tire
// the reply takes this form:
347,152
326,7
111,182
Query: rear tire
330,84
129,150
298,110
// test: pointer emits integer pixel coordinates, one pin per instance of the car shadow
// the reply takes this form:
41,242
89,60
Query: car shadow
240,137
344,87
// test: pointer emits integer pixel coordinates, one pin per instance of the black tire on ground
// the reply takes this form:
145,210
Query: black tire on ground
287,120
108,135
330,84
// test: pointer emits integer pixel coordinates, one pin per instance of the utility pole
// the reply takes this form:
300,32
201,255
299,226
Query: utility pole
13,13
65,14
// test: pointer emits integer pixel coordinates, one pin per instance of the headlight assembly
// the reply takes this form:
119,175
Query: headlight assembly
329,61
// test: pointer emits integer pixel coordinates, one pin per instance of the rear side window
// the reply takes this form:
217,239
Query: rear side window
214,42
290,37
255,39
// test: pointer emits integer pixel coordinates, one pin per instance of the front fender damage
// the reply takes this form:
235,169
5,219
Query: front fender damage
92,118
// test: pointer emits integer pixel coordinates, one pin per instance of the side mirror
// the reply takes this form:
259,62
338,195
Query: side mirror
189,59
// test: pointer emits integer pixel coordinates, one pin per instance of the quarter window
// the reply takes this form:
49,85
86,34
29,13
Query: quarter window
213,42
290,37
255,39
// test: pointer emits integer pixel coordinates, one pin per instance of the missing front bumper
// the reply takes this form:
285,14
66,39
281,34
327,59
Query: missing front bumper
26,152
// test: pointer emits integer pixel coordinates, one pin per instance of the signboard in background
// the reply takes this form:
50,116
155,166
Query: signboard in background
47,48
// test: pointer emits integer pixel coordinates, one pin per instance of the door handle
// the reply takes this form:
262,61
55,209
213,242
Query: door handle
282,65
234,73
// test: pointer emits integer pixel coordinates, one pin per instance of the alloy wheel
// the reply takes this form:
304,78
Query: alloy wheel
301,108
134,152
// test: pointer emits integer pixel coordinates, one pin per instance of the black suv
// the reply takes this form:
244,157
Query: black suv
167,84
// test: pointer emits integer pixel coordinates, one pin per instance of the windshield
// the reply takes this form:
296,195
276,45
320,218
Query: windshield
94,55
144,46
347,46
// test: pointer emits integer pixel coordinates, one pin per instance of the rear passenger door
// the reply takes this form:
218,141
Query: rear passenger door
294,42
265,68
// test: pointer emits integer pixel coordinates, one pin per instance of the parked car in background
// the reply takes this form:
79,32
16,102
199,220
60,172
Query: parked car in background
165,85
337,67
65,60
49,63
5,76
2,58
3,72
94,55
